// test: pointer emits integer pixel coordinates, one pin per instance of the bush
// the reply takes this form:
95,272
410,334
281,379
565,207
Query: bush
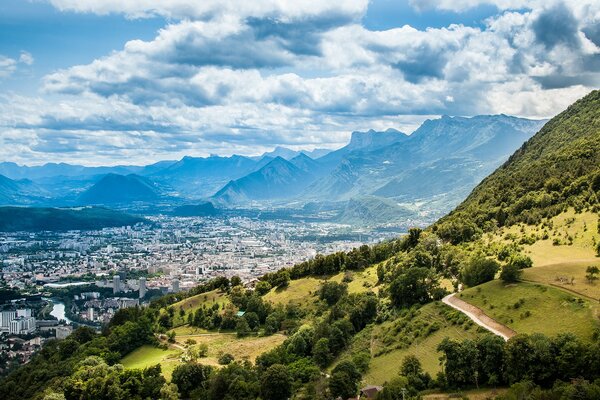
511,273
520,261
479,270
225,359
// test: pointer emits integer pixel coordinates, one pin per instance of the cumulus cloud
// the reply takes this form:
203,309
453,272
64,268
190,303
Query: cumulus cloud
227,76
284,10
9,65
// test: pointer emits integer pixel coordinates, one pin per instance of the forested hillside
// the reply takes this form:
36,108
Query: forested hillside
557,168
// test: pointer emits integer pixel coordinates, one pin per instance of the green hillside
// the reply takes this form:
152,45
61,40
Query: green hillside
13,219
557,168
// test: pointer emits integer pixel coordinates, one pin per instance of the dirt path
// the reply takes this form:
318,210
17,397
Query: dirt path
479,317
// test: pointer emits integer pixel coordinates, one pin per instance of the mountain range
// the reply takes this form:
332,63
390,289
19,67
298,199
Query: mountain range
417,177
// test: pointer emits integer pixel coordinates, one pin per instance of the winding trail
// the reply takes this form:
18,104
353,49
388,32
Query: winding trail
479,317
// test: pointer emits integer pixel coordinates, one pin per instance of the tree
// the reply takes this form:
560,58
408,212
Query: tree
520,261
252,319
202,350
511,273
235,281
272,324
281,279
331,292
322,352
460,361
380,273
344,380
189,377
479,270
411,366
169,392
591,273
225,359
242,328
262,288
276,383
411,287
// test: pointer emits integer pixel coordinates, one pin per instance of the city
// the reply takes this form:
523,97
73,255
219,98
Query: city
84,277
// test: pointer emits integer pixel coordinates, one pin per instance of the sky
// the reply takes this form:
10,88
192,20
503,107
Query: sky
105,82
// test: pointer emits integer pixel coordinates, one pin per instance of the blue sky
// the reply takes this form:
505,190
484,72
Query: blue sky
124,81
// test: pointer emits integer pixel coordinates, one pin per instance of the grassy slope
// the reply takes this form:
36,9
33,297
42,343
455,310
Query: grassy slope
147,356
529,308
241,348
218,343
191,304
300,290
389,343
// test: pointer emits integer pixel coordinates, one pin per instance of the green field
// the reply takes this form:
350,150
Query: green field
571,239
191,304
418,333
247,348
303,291
147,356
529,308
561,274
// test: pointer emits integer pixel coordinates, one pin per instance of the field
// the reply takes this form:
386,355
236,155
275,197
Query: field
561,274
147,356
218,343
528,308
417,332
191,304
302,290
571,239
241,348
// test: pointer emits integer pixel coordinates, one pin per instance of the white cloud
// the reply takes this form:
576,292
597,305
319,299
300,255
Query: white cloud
242,76
26,58
209,9
7,66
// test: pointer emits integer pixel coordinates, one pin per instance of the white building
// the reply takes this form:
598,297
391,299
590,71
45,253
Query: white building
116,284
5,318
63,331
22,325
25,312
142,283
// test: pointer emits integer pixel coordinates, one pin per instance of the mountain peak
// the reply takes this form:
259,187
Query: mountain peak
373,138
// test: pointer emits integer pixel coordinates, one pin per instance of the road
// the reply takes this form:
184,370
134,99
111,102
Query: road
479,317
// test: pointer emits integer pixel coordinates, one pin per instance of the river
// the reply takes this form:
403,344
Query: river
58,310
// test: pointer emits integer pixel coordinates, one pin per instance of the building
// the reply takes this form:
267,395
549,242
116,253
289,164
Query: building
5,318
142,283
116,284
25,312
90,313
22,326
175,285
63,331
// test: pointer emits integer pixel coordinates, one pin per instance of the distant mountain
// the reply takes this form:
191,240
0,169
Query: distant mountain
288,154
447,156
373,211
120,189
23,191
306,164
279,179
197,177
363,141
205,209
15,171
14,219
